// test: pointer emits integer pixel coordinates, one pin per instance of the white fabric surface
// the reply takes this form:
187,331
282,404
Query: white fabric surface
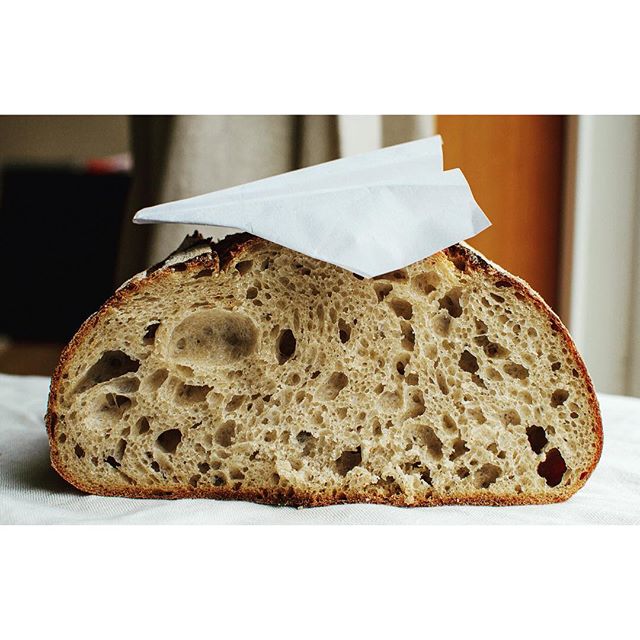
31,492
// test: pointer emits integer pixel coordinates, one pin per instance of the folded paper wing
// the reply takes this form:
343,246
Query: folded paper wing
370,214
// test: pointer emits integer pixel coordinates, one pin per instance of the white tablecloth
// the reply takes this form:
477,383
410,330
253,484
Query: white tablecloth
31,492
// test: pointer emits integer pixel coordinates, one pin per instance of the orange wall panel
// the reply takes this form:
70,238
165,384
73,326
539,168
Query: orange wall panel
514,165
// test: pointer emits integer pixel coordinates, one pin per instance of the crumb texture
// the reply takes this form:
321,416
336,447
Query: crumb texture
284,379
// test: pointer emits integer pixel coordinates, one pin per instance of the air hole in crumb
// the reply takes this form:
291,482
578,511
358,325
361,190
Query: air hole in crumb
142,426
511,417
169,440
537,438
497,298
112,364
344,331
333,386
188,393
476,414
110,460
459,449
117,402
552,468
348,460
451,303
155,466
120,449
382,289
416,404
526,397
555,366
442,382
441,324
62,438
462,472
225,433
244,266
408,335
79,451
213,335
427,437
236,474
468,362
486,475
491,349
401,363
150,333
307,440
426,283
478,380
494,374
411,379
402,308
558,397
252,292
285,345
516,370
157,378
127,384
203,273
235,403
203,467
448,422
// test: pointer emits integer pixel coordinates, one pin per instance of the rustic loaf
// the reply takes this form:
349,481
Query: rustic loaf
244,370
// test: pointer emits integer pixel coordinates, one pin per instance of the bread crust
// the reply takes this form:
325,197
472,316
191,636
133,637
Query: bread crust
217,257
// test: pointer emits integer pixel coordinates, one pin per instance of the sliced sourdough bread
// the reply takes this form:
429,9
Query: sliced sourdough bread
244,370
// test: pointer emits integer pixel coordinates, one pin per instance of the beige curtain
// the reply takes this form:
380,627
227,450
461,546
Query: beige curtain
182,156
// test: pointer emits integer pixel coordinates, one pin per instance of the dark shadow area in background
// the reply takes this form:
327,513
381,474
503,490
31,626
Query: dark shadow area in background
58,247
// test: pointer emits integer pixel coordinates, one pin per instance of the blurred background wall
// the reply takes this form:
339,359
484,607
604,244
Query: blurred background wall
562,193
68,139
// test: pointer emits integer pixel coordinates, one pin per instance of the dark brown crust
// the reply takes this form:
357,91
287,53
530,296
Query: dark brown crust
217,257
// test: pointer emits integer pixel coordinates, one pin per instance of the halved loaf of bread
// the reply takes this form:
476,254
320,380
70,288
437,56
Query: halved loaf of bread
244,370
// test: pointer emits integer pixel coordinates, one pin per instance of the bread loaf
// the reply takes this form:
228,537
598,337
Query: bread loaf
244,370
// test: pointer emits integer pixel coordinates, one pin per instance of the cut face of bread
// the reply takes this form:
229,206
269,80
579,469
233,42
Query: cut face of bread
244,370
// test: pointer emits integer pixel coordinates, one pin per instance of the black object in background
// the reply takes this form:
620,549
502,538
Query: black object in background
59,233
